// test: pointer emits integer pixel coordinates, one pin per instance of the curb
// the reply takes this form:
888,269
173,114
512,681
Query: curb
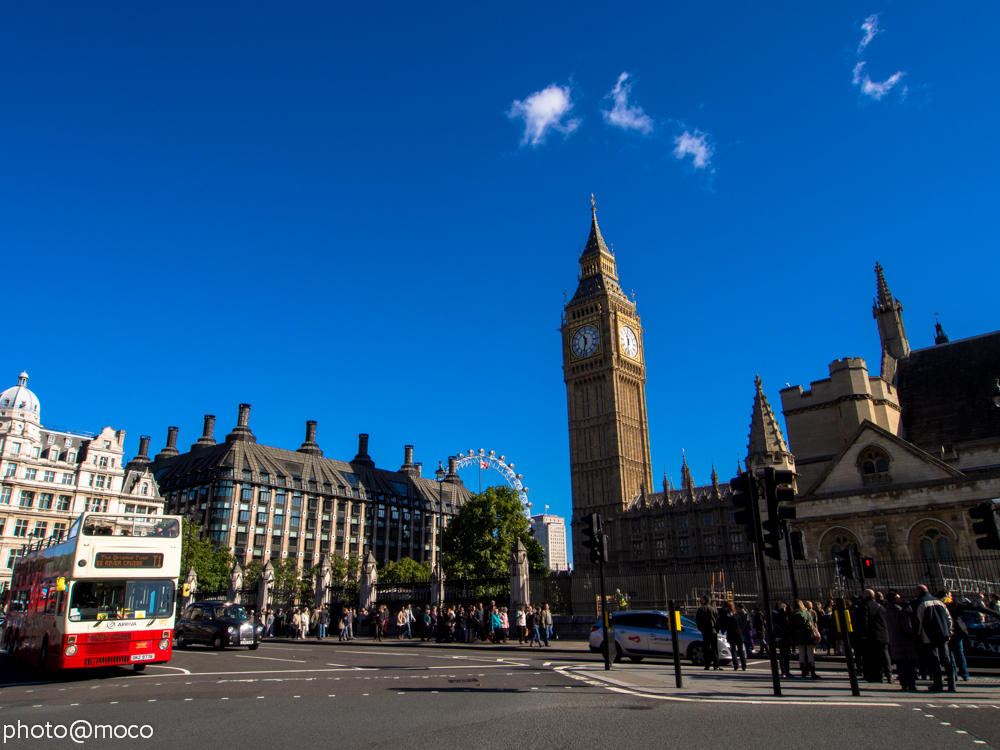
581,647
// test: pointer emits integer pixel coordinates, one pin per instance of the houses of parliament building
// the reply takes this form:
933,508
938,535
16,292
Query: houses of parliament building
889,464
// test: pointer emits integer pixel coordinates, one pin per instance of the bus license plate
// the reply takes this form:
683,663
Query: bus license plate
142,657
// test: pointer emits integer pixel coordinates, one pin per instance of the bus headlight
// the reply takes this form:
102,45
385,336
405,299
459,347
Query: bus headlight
164,644
70,650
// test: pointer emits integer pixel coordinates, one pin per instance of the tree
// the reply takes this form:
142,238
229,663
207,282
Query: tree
211,564
404,571
480,539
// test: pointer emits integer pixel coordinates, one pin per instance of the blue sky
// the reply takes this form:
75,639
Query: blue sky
368,215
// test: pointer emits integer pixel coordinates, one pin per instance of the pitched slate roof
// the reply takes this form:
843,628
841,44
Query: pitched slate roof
944,392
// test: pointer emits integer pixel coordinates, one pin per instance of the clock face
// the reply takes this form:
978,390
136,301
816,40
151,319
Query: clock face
585,341
630,344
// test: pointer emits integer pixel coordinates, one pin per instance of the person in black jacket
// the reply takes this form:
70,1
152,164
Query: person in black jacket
731,625
707,618
871,627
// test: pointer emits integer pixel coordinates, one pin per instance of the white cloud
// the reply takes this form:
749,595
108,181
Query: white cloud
875,89
870,27
695,145
543,112
622,115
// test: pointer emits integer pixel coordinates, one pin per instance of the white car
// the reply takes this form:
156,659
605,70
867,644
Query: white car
639,635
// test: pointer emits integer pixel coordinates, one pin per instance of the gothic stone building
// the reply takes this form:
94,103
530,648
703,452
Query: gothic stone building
892,463
265,502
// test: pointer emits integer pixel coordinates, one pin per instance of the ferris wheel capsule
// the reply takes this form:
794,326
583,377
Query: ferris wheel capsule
526,489
520,476
482,452
493,453
503,458
511,466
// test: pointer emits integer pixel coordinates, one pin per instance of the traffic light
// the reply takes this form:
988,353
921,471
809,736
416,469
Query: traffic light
868,567
798,546
845,564
741,488
987,512
776,493
594,540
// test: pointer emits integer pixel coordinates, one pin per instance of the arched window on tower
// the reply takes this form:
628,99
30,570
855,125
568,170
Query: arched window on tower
934,544
873,463
841,544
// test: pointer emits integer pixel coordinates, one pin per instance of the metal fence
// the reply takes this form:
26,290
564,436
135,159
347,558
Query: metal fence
465,591
635,587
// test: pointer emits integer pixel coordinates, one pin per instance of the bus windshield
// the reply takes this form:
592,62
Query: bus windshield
96,525
120,600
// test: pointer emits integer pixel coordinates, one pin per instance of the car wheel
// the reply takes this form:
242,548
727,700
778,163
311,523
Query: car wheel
181,641
43,658
139,667
253,647
218,643
696,653
618,652
595,650
635,659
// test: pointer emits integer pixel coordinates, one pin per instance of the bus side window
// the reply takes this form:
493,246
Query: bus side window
41,599
61,604
50,605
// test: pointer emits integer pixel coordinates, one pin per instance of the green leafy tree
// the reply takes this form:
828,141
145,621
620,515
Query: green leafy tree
212,564
253,572
479,540
404,571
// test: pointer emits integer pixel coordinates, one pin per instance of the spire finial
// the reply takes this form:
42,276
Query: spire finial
593,204
884,298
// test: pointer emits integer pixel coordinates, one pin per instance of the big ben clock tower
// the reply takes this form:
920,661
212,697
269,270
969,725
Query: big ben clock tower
605,373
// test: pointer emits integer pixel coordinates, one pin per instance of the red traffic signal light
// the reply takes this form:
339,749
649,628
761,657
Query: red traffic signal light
868,567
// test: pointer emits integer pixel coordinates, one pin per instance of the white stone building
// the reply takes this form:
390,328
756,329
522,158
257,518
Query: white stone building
49,475
550,531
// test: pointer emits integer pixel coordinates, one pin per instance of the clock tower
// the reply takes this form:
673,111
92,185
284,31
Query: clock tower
605,374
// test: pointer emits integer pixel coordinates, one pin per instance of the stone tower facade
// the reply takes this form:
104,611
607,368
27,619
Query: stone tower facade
888,312
605,374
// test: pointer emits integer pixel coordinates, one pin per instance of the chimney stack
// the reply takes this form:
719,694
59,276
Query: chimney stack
207,439
242,429
408,467
141,461
452,475
310,446
171,448
363,458
418,469
143,446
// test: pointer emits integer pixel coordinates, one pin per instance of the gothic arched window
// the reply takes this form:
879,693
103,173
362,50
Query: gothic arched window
841,544
873,463
934,545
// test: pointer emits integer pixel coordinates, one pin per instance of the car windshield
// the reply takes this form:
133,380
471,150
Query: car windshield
232,611
120,600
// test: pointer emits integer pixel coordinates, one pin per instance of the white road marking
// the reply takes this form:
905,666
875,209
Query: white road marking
268,658
164,666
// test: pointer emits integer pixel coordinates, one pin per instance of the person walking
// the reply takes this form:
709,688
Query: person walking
746,627
934,626
871,626
522,627
377,622
409,621
758,629
730,624
783,637
707,618
322,620
546,623
400,624
535,627
903,641
956,646
505,624
806,630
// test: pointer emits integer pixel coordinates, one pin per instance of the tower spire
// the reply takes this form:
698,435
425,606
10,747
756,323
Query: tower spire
888,313
883,295
767,446
940,337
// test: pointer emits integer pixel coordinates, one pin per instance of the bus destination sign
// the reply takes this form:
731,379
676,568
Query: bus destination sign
128,560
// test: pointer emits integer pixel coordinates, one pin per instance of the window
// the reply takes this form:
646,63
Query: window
40,528
247,495
49,476
30,473
67,478
247,474
58,530
661,547
97,505
710,542
873,463
14,554
129,509
934,545
262,518
107,444
11,470
682,522
45,501
3,524
244,516
71,458
684,546
102,462
659,525
27,499
63,503
736,541
15,448
145,488
5,496
708,519
21,528
35,452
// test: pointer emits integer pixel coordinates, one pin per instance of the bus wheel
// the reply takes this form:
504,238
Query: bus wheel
139,667
43,658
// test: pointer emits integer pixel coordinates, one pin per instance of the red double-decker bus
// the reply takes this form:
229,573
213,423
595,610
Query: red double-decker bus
102,595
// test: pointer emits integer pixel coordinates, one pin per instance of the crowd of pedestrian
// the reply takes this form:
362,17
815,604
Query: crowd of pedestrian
451,624
923,636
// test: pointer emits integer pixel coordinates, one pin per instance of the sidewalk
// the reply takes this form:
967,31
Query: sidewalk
561,646
754,685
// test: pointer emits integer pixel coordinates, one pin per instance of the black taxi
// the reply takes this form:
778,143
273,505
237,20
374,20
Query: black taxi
982,647
217,624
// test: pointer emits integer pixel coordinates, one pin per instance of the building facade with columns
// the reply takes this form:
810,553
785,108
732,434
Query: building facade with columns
50,475
892,463
266,503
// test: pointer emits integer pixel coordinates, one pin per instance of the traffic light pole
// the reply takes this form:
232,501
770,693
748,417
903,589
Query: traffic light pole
768,616
604,618
791,560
